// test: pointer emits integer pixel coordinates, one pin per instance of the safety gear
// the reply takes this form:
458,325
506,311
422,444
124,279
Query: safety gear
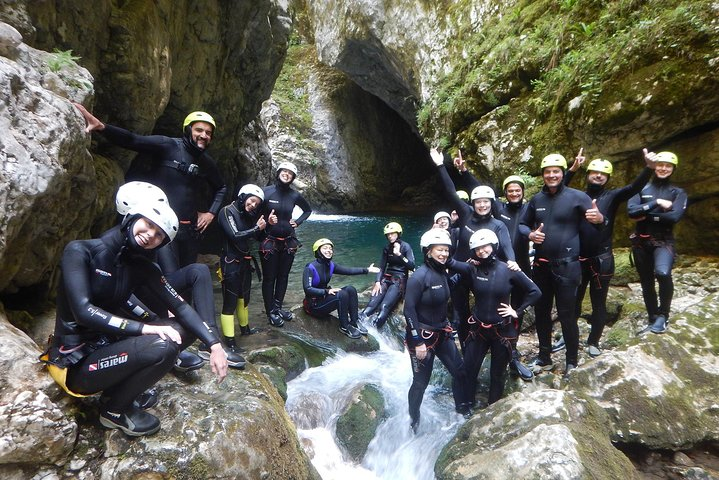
439,215
393,227
601,166
436,236
322,241
160,214
286,166
668,157
251,189
146,399
512,179
559,345
482,191
553,160
133,193
134,422
463,195
199,117
274,319
483,237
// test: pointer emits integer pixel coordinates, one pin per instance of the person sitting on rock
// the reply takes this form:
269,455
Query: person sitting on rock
96,346
239,223
394,267
656,209
321,299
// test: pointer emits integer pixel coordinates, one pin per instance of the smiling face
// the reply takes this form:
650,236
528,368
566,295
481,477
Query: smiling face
552,177
147,234
443,222
439,253
482,206
201,133
484,251
327,251
251,203
597,178
663,170
285,176
514,193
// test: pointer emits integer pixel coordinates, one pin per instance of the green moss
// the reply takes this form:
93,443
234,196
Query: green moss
358,425
552,51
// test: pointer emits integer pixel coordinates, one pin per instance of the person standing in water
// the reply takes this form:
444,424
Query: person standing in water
429,332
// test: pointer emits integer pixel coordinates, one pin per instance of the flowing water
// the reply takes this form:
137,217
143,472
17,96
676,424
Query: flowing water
318,396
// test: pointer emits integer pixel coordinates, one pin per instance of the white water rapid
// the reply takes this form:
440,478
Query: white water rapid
317,397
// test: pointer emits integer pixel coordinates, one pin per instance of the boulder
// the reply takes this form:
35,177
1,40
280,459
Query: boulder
549,434
358,423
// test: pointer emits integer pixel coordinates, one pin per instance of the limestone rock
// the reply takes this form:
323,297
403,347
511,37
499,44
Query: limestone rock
34,428
549,434
44,163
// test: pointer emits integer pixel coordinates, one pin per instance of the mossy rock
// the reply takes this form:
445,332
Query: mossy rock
358,424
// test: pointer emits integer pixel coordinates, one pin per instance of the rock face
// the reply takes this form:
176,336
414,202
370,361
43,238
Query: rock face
351,148
44,161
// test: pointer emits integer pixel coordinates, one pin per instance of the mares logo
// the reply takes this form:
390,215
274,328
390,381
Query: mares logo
103,273
169,288
435,287
108,362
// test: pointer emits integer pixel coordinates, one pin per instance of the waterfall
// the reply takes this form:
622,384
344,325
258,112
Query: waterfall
317,397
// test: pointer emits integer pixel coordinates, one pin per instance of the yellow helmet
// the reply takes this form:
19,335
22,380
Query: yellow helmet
601,166
320,242
554,160
668,157
393,227
463,195
512,179
199,117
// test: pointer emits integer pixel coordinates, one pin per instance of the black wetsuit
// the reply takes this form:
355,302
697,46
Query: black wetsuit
319,302
392,277
653,242
95,337
178,167
239,227
595,251
425,310
492,282
556,270
280,244
468,223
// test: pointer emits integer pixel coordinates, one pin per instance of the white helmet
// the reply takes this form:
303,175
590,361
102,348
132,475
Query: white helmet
132,193
483,237
251,189
482,191
287,166
436,236
160,214
439,215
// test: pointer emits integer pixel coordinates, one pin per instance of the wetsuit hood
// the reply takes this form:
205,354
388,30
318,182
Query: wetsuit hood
594,190
560,188
434,264
283,186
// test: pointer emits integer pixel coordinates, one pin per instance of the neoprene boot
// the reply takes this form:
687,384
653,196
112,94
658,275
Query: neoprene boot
133,422
247,330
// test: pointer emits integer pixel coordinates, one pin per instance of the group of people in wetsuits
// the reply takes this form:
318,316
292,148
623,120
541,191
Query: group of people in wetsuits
488,254
122,321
